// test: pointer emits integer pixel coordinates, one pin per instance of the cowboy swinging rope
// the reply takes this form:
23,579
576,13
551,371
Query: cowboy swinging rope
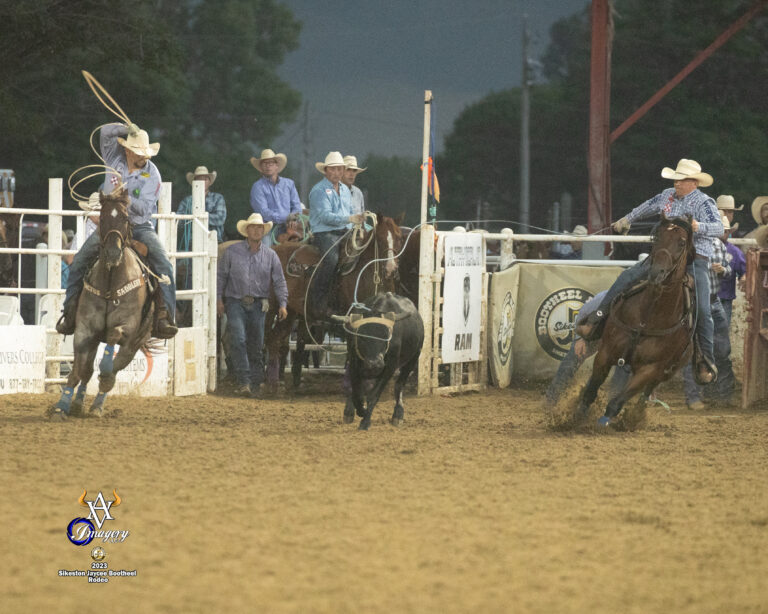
98,89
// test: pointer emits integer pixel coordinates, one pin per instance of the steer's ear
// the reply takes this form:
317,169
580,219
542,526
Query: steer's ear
390,315
354,317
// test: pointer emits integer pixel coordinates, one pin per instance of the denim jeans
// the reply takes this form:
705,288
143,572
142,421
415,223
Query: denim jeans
700,271
156,256
324,274
727,304
245,324
570,365
722,389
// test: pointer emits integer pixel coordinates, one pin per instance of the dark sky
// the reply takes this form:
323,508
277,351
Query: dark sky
363,67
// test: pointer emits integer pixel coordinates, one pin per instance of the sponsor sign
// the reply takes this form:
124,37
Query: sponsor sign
22,359
146,375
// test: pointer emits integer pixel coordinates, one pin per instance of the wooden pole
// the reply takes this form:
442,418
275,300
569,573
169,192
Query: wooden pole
52,369
425,155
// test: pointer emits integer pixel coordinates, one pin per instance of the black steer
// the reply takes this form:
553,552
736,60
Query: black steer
385,335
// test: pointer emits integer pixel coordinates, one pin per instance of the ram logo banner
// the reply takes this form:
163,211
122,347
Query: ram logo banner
556,320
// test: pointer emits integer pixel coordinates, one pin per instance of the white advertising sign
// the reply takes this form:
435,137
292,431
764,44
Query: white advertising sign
146,375
463,296
22,359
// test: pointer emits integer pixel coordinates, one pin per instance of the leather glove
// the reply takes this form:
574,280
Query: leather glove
133,129
621,227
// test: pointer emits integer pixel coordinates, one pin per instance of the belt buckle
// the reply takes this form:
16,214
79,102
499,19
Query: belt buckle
248,300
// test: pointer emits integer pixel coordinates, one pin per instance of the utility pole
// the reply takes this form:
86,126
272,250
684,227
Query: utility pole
525,147
304,174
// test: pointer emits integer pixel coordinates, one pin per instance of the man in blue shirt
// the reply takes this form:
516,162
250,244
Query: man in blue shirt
214,205
131,159
247,271
329,217
684,199
273,197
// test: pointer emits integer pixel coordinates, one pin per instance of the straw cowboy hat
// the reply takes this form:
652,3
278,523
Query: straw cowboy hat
198,172
757,204
92,204
687,169
578,231
351,162
726,224
254,219
139,144
332,159
726,202
268,154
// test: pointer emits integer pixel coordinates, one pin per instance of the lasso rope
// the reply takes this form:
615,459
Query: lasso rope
94,84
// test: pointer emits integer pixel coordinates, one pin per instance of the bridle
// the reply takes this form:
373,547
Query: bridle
655,254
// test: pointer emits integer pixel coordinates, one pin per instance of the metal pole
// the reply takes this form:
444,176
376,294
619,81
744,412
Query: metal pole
425,155
304,173
525,147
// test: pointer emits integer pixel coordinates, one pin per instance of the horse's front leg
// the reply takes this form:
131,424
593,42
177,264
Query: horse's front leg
71,404
600,370
111,364
644,378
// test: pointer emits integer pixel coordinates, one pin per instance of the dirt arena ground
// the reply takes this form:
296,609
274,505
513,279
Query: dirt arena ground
474,505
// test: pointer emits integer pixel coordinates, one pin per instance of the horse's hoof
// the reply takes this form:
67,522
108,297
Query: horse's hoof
56,414
364,426
97,412
603,421
349,418
396,421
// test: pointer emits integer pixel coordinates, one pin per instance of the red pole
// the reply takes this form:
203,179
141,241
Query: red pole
599,207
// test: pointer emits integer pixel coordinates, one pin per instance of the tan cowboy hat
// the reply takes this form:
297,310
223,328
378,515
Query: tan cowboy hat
579,231
726,224
727,202
92,204
253,219
688,169
268,154
351,162
139,144
199,171
332,159
757,204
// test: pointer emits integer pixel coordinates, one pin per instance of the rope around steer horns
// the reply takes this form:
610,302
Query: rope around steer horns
356,320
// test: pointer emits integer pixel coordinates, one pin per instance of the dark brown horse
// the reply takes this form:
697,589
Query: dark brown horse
371,271
650,327
115,307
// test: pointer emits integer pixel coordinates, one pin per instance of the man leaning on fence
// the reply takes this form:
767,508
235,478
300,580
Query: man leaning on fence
130,157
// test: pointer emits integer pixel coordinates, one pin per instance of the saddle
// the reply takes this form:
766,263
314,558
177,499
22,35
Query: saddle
304,259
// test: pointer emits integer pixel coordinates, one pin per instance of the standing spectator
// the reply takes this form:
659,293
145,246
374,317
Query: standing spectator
721,390
329,216
570,250
247,272
726,205
351,172
214,205
273,197
734,258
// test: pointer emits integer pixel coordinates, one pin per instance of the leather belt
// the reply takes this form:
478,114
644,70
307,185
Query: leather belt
248,300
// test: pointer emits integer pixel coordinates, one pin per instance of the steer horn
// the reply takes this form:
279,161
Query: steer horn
338,318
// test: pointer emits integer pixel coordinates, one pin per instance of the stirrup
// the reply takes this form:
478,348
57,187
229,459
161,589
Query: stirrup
591,328
164,330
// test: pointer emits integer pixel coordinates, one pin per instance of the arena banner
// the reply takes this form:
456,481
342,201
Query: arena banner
544,302
22,359
462,297
502,307
145,376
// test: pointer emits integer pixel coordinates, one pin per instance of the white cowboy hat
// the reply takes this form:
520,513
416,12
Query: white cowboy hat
332,159
688,169
726,224
253,219
268,154
579,231
139,144
726,202
92,204
201,170
757,204
351,162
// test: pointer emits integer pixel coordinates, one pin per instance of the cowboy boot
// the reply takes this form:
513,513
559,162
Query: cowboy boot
591,327
164,327
704,370
66,324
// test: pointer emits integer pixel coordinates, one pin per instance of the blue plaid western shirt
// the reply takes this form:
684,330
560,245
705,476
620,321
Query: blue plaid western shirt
717,257
696,204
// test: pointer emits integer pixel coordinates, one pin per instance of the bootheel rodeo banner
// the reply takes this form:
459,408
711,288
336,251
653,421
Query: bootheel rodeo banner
532,311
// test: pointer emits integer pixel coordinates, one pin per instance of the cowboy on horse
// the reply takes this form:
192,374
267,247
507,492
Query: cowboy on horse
685,199
130,157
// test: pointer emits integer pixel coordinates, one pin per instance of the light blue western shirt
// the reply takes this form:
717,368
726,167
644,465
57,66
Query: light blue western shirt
328,210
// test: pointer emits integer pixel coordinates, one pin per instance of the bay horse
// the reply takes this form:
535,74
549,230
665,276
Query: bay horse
115,307
382,242
650,327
